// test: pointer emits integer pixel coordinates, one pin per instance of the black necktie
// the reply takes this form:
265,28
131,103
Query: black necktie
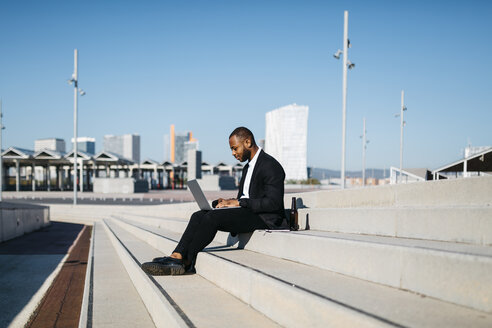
243,178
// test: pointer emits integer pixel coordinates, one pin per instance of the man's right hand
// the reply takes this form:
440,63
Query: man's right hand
232,202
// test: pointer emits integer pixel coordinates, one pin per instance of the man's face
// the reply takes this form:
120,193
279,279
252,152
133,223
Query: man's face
240,148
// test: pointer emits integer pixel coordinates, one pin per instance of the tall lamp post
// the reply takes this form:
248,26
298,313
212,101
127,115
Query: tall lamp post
1,159
402,124
75,81
345,64
364,146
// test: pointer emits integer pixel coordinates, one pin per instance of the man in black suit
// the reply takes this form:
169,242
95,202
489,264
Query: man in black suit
259,205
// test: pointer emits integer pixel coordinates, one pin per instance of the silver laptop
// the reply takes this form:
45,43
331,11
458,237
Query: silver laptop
200,197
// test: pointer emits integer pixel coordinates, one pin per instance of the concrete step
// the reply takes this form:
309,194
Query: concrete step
464,224
296,295
195,301
456,192
453,272
110,299
175,224
470,224
178,225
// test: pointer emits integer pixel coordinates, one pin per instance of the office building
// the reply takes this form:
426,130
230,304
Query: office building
126,146
178,145
55,144
286,139
86,144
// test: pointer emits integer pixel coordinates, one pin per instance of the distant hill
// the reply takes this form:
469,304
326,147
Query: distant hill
321,174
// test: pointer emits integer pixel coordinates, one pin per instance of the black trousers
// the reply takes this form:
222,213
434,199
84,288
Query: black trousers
203,227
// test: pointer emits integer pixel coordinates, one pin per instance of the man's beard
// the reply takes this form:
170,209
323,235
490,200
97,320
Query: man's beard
246,155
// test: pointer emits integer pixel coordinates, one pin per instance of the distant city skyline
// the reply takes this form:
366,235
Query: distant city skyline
210,67
177,144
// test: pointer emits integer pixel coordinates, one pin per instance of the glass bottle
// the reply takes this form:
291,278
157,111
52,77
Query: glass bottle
293,220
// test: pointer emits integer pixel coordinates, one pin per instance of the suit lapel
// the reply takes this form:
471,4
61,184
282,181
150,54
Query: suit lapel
259,163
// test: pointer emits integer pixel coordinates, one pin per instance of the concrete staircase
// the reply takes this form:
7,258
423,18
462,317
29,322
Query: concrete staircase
417,255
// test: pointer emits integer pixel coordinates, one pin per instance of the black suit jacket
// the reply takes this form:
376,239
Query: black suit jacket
266,191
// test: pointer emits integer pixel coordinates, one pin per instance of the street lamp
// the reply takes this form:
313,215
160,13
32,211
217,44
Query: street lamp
346,64
402,124
75,81
364,146
1,159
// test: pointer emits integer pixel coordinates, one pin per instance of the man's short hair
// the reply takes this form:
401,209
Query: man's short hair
243,133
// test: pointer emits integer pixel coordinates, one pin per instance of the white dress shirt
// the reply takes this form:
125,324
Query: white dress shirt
249,174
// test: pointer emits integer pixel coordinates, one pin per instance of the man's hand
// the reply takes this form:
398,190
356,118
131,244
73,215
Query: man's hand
227,202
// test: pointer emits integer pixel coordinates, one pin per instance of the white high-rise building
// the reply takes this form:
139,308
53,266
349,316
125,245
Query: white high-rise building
127,146
286,139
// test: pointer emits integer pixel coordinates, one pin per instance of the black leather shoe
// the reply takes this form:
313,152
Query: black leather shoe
169,259
171,268
164,259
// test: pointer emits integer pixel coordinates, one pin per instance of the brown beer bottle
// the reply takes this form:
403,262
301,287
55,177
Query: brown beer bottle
293,220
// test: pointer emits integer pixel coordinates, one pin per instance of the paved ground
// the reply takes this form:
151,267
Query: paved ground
27,261
62,303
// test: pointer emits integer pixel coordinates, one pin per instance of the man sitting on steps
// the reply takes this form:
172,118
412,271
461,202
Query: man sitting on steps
259,205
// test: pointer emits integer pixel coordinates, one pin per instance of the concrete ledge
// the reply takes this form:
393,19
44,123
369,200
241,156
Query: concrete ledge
471,225
19,219
466,192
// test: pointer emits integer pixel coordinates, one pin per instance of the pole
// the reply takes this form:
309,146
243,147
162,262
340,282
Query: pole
1,159
364,154
344,94
75,114
401,134
465,165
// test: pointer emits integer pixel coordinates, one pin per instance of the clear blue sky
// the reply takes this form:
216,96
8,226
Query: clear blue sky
209,66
